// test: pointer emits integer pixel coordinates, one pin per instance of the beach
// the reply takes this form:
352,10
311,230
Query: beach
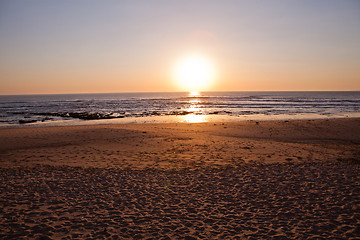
289,179
179,120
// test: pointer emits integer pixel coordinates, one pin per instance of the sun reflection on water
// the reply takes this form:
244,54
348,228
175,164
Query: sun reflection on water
193,118
194,109
194,94
194,106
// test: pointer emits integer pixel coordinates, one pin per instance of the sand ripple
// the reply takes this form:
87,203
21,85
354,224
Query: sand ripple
280,201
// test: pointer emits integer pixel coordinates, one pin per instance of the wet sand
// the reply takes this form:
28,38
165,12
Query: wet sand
235,180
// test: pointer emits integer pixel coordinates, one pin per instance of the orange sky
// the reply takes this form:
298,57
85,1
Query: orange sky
126,46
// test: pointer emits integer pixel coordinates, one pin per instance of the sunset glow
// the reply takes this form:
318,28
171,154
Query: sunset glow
61,47
194,73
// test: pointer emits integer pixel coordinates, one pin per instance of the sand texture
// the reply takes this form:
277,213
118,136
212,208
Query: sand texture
236,180
179,146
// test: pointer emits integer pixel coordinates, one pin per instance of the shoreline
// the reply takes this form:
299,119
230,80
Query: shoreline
188,118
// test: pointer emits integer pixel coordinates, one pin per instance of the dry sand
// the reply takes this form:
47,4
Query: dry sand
235,180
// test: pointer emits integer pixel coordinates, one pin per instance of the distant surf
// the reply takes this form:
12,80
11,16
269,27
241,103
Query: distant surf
65,108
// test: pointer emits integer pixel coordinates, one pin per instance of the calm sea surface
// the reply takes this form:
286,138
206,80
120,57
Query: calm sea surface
73,109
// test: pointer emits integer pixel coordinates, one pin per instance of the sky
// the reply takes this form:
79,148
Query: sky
88,46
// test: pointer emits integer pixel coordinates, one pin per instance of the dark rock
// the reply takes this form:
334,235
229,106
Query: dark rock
83,115
21,121
46,119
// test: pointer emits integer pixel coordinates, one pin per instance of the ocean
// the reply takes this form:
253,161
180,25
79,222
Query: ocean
75,109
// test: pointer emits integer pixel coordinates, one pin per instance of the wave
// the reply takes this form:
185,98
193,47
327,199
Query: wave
106,106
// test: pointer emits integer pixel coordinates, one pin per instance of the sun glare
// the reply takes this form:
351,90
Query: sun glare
193,118
194,73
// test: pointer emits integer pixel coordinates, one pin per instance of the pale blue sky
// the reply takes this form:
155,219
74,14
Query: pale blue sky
128,46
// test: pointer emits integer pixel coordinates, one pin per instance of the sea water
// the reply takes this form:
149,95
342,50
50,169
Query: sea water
74,109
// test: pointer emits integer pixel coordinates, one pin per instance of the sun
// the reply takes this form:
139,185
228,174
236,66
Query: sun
194,73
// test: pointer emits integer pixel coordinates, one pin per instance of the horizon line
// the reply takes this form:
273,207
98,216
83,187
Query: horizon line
89,93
